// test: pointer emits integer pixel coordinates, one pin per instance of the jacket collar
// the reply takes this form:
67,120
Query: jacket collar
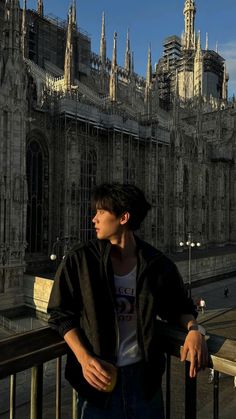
146,252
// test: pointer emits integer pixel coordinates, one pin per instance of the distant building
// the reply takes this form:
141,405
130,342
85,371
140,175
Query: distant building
71,118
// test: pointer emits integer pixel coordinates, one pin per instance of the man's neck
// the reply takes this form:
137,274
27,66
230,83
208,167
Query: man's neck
123,253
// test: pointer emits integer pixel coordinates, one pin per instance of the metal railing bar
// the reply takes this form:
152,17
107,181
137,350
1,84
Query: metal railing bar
190,394
216,395
12,396
74,405
58,388
36,402
168,377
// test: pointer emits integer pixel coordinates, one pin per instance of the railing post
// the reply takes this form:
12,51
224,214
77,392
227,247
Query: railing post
58,389
216,395
168,375
12,396
36,407
190,394
74,405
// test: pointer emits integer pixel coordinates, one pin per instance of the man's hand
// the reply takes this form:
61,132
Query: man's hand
195,349
96,372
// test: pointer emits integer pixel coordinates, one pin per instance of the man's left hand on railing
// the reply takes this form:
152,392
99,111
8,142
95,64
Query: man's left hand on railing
195,348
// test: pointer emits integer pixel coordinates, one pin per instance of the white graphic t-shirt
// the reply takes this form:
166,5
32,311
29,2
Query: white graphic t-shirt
129,351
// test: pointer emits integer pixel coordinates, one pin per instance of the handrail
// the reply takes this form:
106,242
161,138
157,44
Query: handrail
25,350
221,350
32,349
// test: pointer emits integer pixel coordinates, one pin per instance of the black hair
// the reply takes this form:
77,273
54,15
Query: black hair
118,198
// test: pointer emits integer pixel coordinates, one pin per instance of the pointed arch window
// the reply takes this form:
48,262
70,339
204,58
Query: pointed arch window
88,173
186,199
37,208
129,166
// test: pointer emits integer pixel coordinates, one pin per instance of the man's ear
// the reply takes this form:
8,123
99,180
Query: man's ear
124,218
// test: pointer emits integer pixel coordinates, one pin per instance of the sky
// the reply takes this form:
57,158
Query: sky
149,23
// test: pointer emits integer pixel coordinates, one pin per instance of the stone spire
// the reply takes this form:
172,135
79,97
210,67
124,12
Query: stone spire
69,53
128,57
189,33
206,48
148,87
114,52
225,84
132,64
113,76
103,46
149,68
24,30
74,15
40,8
11,32
198,69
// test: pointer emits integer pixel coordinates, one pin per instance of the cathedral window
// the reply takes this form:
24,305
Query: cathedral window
88,173
129,167
73,193
160,201
37,208
186,199
214,203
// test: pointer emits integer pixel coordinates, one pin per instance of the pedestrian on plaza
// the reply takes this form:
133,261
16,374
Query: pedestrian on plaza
105,300
202,305
198,303
226,291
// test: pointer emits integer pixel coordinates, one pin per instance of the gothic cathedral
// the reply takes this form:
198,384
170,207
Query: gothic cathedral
71,118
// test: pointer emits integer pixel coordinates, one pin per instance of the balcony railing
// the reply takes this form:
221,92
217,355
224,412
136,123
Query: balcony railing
31,350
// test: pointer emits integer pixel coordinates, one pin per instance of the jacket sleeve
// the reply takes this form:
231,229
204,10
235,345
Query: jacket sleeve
174,300
65,301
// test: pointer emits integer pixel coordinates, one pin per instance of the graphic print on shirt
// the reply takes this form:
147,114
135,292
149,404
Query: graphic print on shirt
125,300
129,351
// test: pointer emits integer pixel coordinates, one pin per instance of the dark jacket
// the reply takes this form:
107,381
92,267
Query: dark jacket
83,296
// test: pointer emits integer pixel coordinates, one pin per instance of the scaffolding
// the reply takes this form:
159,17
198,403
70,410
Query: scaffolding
105,148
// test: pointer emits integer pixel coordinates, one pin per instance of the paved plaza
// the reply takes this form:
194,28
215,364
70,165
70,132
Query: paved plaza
218,317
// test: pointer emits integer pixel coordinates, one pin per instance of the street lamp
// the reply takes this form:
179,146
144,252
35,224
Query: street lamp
190,244
55,249
65,243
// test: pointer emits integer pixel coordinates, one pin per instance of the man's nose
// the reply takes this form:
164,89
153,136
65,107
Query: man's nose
94,219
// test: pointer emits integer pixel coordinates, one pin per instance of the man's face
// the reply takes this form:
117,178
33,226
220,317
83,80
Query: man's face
108,225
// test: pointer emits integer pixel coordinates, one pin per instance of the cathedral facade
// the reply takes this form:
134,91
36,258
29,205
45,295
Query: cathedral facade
71,119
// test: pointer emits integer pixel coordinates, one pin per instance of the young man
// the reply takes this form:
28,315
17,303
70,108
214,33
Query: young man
105,300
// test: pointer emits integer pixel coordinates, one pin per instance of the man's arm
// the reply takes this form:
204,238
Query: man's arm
194,345
172,307
64,308
95,371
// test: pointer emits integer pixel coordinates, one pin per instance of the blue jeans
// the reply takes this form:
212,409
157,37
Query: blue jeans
127,400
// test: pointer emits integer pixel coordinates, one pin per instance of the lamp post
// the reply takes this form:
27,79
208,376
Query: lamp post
190,244
65,243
